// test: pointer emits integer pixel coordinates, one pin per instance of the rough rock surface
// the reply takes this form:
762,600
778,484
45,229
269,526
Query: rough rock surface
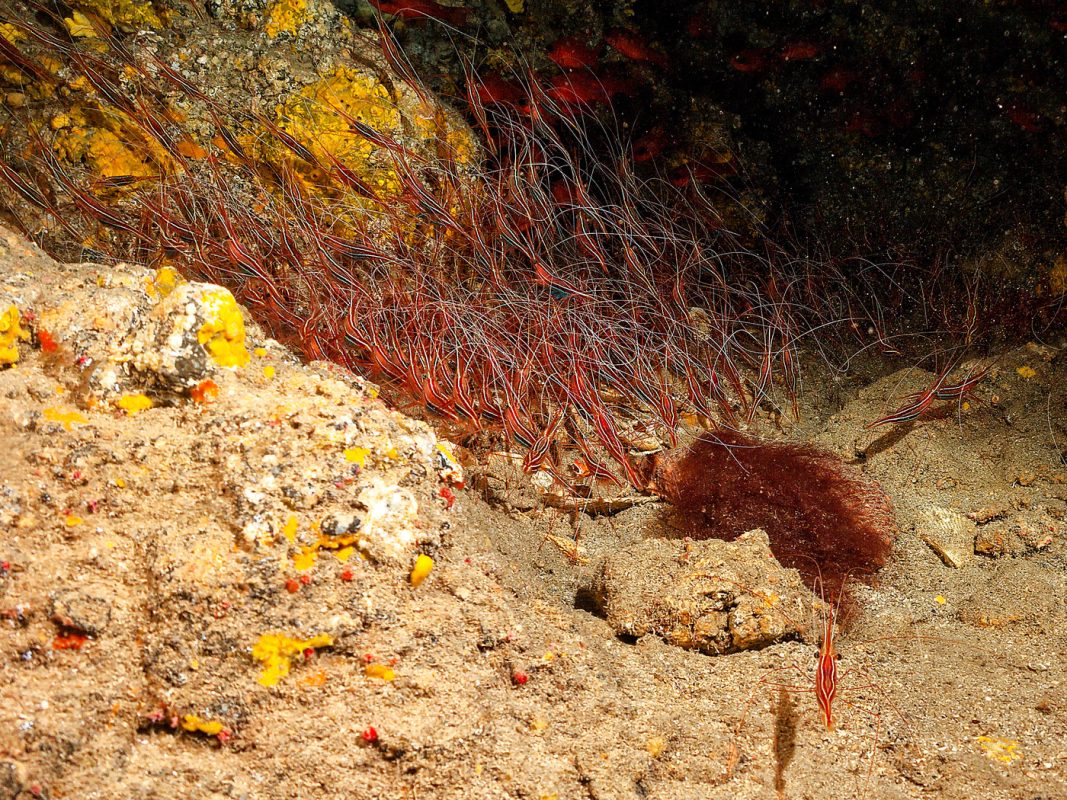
713,596
211,594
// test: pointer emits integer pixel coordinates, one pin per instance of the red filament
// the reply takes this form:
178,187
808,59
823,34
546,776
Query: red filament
822,515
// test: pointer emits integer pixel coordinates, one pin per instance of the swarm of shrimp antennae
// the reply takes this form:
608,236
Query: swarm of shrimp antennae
536,285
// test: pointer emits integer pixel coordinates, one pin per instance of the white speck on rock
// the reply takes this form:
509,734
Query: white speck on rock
388,531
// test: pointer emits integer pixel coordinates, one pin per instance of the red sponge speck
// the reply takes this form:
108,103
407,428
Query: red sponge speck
822,515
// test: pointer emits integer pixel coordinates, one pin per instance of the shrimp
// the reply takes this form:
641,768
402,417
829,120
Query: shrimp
826,672
825,684
940,389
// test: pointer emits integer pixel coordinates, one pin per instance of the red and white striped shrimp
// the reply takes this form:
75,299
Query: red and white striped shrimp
826,684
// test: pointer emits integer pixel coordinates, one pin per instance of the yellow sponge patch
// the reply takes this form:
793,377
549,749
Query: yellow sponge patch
313,117
277,651
286,16
11,333
223,332
194,724
100,139
136,13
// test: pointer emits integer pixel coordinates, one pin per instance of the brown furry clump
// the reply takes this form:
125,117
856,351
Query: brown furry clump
823,516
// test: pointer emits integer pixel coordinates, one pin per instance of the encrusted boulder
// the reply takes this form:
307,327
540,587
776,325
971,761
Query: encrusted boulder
713,596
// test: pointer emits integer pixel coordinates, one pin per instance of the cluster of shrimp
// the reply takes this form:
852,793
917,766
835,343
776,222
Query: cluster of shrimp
545,291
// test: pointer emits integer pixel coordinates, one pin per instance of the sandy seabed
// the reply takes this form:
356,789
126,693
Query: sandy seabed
152,560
